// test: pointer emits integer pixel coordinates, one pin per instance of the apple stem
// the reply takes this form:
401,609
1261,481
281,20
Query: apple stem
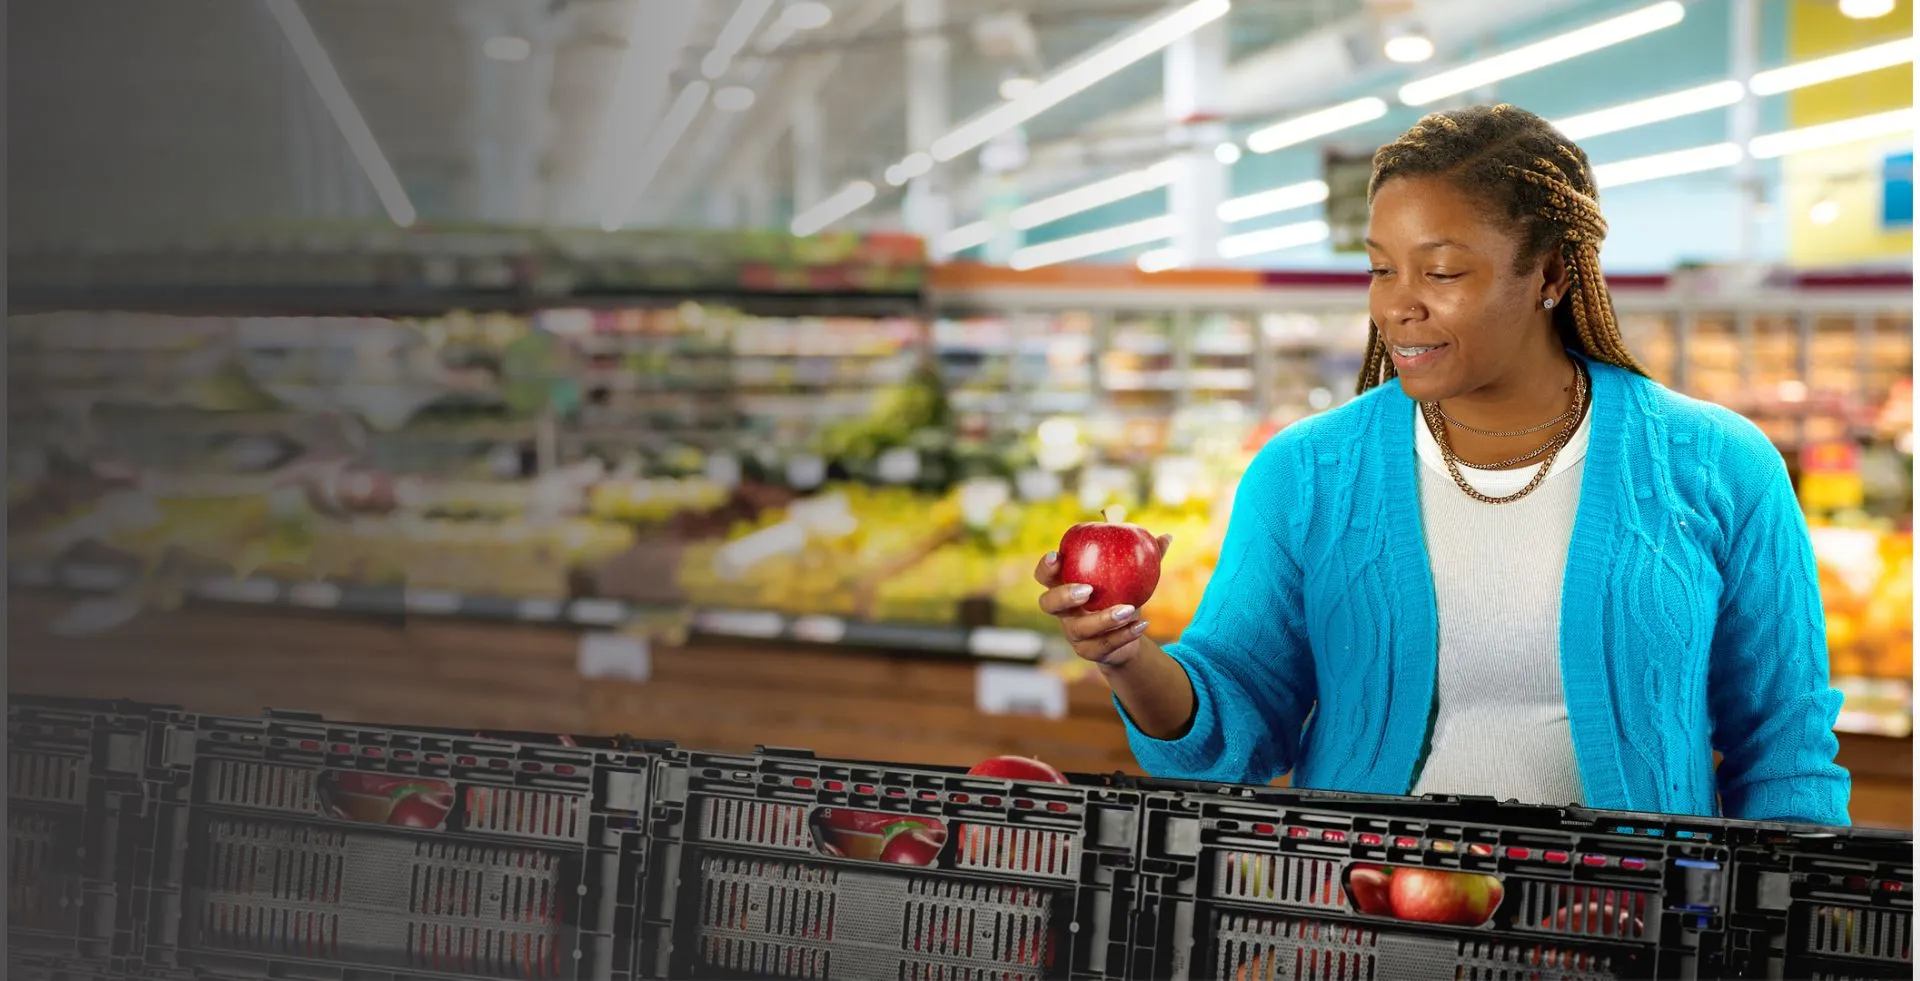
1104,512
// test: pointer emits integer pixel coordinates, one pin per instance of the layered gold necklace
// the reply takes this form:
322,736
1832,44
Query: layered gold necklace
1547,452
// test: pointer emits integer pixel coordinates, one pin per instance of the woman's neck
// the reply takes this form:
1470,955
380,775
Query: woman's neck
1528,397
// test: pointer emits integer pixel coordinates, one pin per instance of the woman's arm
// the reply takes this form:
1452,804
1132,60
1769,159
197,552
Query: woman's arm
1773,710
1227,702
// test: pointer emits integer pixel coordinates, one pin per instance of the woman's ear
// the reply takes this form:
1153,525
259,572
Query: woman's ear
1555,277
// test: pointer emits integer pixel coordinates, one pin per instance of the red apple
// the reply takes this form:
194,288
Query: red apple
1439,896
1371,886
417,811
911,848
1120,561
1017,768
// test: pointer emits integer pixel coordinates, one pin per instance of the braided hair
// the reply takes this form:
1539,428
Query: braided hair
1541,183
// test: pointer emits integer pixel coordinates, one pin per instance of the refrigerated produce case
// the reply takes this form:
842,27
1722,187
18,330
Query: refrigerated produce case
716,468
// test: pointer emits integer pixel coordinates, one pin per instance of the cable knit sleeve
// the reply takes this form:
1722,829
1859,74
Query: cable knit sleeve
1773,709
1244,650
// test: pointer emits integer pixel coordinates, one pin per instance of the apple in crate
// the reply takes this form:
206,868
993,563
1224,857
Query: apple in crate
1439,896
871,836
978,842
1371,886
1120,561
407,802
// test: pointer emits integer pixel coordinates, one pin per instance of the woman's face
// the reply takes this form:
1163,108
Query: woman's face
1454,314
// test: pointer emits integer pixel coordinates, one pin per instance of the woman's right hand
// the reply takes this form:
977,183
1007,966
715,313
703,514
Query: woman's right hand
1109,637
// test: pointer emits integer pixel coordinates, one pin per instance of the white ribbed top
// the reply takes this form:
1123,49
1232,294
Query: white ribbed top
1501,728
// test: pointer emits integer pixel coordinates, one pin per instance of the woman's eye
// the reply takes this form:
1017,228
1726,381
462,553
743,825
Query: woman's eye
1376,272
1443,277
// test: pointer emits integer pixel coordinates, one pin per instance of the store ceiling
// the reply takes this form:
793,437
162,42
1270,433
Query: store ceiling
152,118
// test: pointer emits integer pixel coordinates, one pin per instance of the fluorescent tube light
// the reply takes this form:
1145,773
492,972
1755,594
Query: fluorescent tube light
1274,201
1313,125
1673,105
1081,74
1094,243
1094,195
1553,50
846,201
1273,239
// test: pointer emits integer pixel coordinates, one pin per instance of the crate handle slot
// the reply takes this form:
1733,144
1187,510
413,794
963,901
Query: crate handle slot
876,836
1421,895
379,798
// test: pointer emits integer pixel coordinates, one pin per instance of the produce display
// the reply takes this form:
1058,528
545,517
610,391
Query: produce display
908,470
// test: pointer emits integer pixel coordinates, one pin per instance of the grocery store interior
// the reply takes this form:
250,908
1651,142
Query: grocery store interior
718,372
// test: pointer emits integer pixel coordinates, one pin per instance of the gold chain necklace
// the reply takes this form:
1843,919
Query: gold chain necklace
1436,423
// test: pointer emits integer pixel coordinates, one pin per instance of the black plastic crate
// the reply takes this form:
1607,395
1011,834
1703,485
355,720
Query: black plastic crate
1831,903
1260,883
772,865
305,848
80,811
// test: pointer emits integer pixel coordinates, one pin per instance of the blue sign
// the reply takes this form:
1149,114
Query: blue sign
1896,190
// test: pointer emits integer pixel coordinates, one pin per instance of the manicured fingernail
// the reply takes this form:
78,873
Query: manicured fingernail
1081,594
1053,558
1123,613
1141,627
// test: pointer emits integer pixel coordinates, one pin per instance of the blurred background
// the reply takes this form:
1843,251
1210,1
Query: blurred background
717,371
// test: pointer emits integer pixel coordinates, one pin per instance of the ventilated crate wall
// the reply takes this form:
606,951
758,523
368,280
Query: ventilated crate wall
1819,904
1253,883
518,877
79,832
1026,885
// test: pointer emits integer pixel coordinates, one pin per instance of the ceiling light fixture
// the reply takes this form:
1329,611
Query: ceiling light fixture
1227,153
1843,65
1659,165
1274,201
1866,9
806,15
1093,243
746,18
1313,125
846,201
1553,50
1875,126
353,126
1094,195
1673,105
508,48
1081,74
733,98
1273,239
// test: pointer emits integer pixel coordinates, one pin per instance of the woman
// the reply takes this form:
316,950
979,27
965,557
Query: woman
1513,566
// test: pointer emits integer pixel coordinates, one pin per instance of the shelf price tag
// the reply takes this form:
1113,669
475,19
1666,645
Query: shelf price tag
1100,486
1036,484
1005,689
1175,479
900,465
723,469
981,497
620,657
806,472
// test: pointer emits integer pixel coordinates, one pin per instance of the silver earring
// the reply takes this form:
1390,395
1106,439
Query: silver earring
1547,304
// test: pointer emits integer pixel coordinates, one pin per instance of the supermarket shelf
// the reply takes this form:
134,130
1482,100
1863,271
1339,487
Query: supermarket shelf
968,643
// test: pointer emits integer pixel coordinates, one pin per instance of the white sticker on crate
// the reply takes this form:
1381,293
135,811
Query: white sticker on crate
1006,689
621,657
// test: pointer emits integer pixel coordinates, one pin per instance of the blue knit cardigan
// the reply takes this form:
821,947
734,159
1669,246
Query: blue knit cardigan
1690,620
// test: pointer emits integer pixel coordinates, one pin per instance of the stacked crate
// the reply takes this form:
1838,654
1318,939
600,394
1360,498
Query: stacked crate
150,842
